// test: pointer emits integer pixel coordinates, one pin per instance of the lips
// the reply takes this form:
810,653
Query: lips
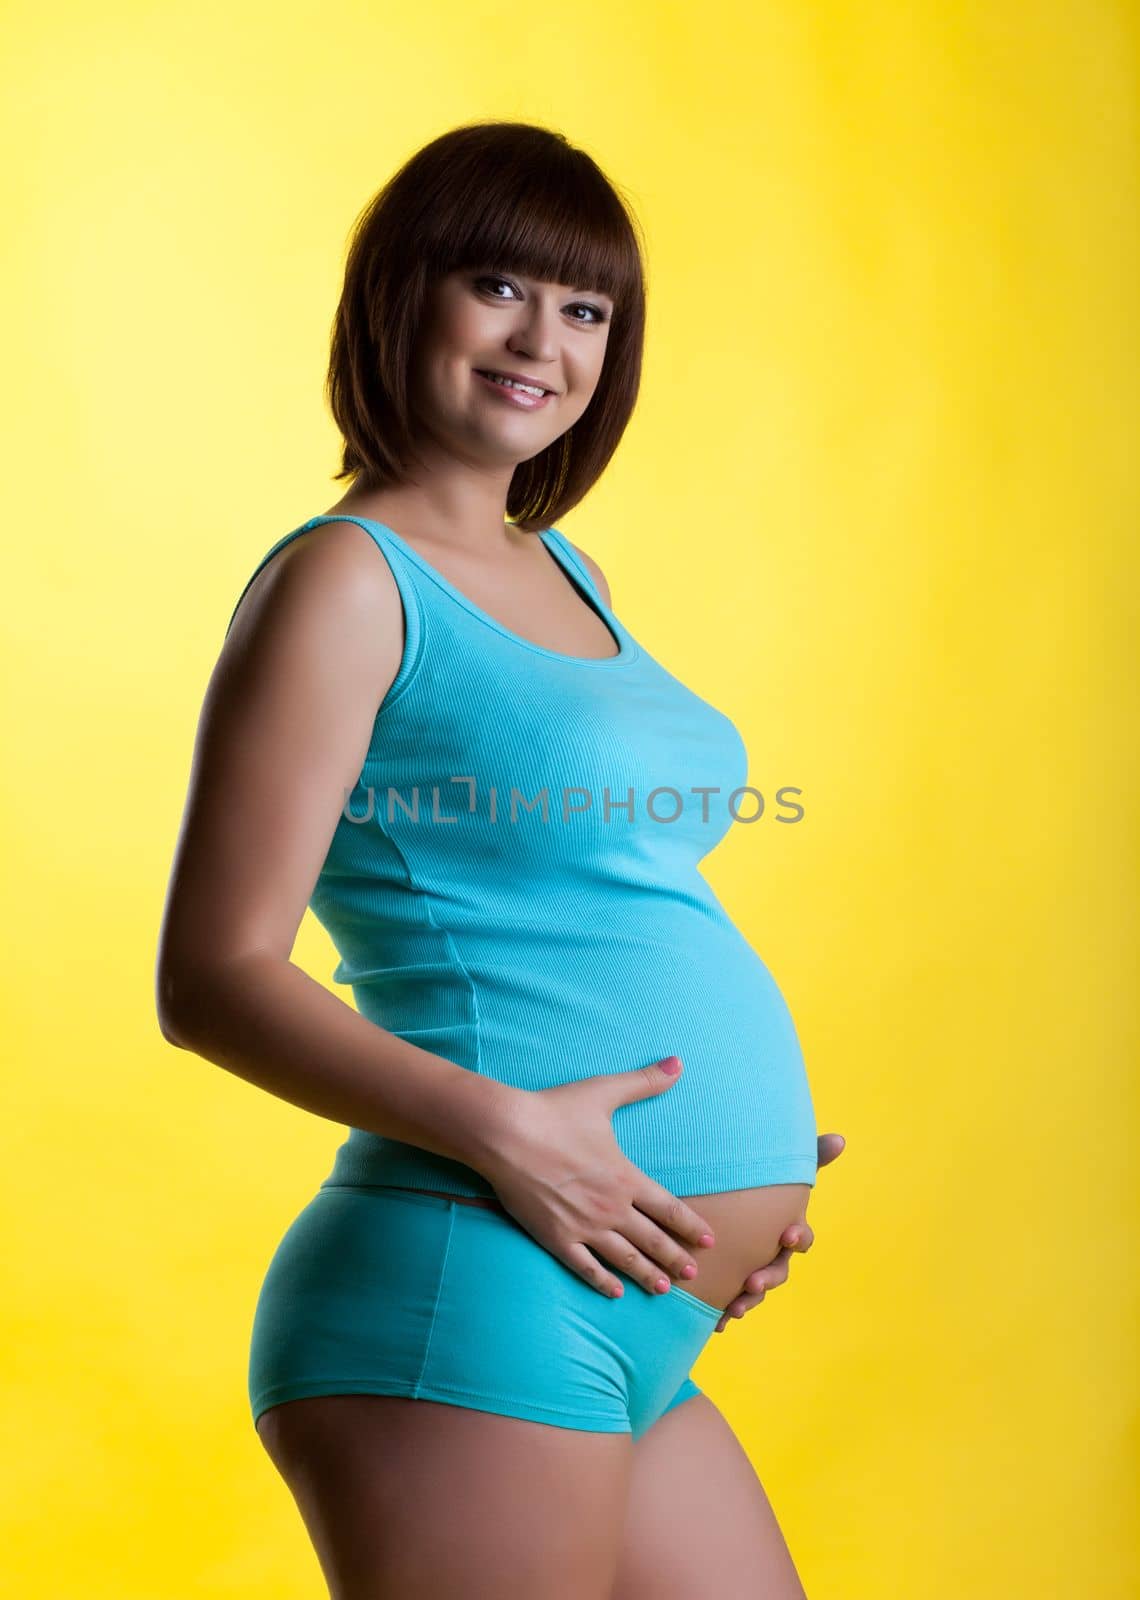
515,377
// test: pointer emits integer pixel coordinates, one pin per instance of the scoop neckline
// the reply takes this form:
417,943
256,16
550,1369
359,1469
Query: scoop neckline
629,648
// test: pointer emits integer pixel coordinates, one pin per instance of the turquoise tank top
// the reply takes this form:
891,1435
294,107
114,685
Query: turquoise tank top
514,884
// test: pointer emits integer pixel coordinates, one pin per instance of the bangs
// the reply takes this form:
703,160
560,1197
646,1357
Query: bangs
549,216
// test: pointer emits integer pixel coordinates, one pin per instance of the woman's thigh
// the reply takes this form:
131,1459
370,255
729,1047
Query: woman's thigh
698,1522
453,1408
413,1499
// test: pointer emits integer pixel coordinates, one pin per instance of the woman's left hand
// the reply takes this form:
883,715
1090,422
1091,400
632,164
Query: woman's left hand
796,1236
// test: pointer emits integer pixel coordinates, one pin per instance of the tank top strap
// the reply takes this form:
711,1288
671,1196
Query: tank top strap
402,571
575,562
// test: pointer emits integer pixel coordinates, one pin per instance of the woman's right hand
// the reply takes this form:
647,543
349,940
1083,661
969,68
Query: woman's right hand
560,1172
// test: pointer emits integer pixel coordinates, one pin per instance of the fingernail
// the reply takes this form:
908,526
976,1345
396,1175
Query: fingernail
688,1270
662,1285
670,1066
706,1238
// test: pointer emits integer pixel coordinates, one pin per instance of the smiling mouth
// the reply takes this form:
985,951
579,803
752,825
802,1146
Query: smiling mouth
513,383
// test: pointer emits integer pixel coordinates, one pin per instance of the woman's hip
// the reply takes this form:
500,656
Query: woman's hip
390,1291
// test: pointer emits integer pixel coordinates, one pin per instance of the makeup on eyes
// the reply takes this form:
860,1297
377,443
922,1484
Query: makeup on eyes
600,314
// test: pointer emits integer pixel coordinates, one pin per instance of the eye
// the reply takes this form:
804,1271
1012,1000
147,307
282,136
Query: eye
598,314
582,305
479,282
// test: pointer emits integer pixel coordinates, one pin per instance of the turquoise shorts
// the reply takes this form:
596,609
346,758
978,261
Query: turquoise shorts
386,1291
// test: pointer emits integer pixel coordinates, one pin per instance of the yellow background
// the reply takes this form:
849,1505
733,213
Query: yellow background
878,501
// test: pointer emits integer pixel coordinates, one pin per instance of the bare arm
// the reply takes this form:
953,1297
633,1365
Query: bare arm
284,728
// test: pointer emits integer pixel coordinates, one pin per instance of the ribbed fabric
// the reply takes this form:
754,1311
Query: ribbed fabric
538,941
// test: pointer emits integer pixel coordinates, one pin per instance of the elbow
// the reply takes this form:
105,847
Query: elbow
170,1032
192,994
172,1008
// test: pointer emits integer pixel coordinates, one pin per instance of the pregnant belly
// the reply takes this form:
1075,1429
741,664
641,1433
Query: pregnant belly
746,1223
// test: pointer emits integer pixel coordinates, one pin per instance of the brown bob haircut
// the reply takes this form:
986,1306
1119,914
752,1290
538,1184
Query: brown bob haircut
509,197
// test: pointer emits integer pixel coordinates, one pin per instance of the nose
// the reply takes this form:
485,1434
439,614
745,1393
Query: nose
535,338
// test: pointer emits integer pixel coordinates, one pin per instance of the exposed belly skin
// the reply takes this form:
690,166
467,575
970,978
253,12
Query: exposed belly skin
746,1223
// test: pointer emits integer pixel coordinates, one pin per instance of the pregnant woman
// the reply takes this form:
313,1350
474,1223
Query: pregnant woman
577,1108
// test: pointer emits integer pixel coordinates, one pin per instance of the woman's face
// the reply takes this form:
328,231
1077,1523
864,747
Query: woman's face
479,321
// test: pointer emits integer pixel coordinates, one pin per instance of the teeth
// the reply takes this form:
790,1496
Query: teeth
509,383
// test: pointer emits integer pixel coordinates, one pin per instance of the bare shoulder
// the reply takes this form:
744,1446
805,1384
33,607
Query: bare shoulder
332,570
326,604
594,570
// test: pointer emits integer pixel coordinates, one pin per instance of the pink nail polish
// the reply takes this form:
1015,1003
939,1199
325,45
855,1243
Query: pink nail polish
662,1285
706,1239
688,1270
